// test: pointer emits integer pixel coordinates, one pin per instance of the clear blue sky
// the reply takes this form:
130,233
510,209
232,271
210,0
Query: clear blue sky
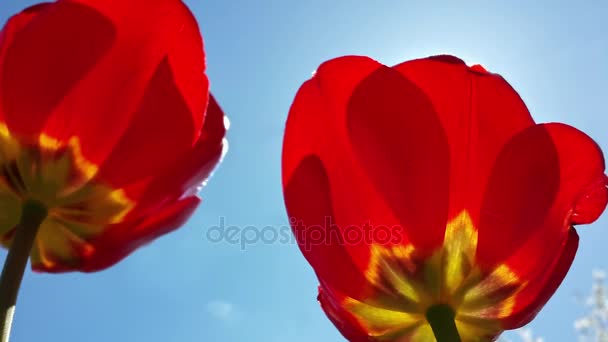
185,288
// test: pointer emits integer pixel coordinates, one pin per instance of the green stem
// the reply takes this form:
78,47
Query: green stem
32,215
441,319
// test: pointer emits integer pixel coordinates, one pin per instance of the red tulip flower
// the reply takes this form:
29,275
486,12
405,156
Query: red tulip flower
429,203
107,129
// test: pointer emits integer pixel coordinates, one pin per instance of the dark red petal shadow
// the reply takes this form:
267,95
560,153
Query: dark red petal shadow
317,125
14,25
520,193
160,133
47,58
153,39
400,143
479,113
308,201
186,175
582,189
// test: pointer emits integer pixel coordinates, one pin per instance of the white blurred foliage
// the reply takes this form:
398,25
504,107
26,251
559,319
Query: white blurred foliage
593,327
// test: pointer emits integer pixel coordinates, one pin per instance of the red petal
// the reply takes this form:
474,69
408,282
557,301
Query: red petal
532,299
317,127
189,172
583,192
308,200
549,177
342,319
14,25
122,239
199,162
398,138
55,78
519,196
479,113
160,132
163,29
580,198
46,57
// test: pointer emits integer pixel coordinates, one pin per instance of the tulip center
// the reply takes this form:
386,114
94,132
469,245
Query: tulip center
416,298
55,175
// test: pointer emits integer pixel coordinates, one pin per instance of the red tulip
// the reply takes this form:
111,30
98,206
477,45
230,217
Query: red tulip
426,198
107,122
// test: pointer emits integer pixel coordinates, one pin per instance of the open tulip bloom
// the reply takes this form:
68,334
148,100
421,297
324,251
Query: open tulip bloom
429,203
107,130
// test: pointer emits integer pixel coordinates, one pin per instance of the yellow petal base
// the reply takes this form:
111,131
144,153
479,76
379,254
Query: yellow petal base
56,174
407,286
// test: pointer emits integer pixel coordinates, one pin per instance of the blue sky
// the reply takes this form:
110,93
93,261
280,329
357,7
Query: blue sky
186,288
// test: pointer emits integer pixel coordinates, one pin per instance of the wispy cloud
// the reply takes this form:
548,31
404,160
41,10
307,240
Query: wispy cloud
222,310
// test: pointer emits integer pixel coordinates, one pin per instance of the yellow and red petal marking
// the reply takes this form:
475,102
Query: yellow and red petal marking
407,286
53,81
331,303
87,228
121,239
56,174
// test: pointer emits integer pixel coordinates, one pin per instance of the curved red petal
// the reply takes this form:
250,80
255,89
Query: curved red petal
519,196
162,29
583,191
555,177
148,42
46,58
14,25
580,198
592,203
532,299
199,162
401,145
160,132
479,113
342,319
120,240
317,126
187,174
308,201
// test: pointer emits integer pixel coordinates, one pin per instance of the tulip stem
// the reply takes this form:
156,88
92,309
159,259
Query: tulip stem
441,319
32,215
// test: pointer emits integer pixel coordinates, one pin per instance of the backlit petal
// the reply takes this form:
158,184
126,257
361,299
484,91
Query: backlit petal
388,116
